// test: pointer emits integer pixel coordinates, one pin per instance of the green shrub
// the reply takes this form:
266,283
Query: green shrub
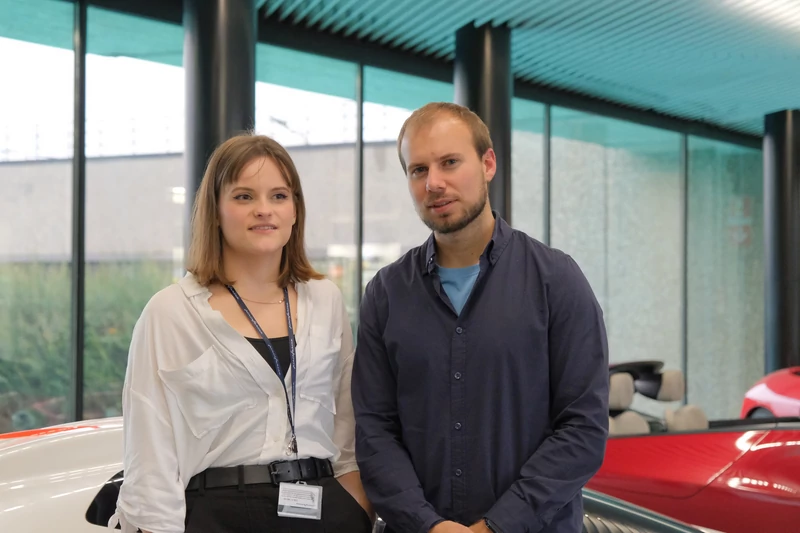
35,345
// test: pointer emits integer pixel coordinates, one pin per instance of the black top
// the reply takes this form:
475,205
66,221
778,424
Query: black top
281,346
500,411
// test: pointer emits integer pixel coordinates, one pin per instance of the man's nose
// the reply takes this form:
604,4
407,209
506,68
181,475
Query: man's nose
435,181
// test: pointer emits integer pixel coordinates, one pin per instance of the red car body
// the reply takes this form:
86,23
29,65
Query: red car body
736,476
775,395
737,479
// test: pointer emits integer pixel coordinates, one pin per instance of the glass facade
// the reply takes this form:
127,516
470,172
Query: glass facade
391,224
643,226
528,203
616,208
725,273
134,218
35,213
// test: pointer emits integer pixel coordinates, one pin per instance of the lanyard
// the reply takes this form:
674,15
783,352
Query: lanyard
292,356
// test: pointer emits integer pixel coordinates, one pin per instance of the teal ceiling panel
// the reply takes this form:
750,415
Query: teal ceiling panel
725,62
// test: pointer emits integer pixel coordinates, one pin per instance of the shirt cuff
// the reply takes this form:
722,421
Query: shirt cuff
494,528
511,514
429,522
340,469
125,526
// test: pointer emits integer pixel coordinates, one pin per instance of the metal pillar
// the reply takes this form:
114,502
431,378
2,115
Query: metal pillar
359,201
78,213
782,239
484,83
220,61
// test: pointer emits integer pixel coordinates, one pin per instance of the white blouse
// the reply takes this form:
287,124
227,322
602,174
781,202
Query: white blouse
197,394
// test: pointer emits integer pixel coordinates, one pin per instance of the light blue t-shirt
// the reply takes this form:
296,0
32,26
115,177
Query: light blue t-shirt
458,283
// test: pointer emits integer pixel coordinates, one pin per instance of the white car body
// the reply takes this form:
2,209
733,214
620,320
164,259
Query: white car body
38,494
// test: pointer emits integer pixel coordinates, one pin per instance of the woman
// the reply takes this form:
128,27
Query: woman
237,391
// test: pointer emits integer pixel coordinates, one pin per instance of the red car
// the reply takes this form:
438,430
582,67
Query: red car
775,395
737,476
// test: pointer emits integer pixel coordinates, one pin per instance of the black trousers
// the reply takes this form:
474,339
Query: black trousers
254,509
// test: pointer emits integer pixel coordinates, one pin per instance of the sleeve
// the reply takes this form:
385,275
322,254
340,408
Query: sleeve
152,496
344,425
567,459
387,472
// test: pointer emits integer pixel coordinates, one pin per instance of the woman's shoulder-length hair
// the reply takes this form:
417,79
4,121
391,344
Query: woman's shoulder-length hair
204,259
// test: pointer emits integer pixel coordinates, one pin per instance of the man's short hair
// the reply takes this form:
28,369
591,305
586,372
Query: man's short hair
426,114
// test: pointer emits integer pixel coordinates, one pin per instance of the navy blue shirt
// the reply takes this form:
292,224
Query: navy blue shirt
500,411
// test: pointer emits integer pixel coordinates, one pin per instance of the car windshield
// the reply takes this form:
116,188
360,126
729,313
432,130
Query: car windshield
596,503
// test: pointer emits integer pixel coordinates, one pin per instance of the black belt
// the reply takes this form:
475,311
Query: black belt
274,473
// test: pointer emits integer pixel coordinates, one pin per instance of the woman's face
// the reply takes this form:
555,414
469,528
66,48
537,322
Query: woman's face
257,211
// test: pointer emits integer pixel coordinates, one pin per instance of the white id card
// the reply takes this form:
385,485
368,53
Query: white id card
300,501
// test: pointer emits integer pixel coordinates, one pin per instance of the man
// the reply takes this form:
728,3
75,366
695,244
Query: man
480,380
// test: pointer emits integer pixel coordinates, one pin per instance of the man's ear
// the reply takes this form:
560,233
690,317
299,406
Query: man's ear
489,162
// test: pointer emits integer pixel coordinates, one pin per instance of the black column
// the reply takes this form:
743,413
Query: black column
219,57
782,239
78,212
483,82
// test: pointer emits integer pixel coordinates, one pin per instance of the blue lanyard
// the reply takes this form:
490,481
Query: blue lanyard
293,408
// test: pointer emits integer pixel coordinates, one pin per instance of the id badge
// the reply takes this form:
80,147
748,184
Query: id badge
300,501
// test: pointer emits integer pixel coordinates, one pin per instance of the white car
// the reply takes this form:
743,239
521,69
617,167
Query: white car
66,478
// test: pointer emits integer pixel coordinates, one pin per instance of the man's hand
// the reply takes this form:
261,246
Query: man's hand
450,527
480,527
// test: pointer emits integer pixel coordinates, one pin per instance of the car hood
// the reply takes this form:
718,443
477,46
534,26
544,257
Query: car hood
63,465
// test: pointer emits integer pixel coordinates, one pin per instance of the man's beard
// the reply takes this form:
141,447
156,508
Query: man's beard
453,224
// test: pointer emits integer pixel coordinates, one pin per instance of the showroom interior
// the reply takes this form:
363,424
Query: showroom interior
654,143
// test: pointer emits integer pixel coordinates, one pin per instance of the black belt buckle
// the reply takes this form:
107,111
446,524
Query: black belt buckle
273,473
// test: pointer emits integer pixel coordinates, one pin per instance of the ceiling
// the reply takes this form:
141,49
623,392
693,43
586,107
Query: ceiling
715,65
723,62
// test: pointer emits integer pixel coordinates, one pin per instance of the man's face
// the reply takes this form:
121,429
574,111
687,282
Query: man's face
447,178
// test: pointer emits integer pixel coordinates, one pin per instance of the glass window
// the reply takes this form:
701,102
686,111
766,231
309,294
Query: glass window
308,104
725,275
391,224
528,209
135,187
616,208
37,63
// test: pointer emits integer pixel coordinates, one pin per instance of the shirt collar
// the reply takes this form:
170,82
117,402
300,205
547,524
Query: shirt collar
501,236
191,287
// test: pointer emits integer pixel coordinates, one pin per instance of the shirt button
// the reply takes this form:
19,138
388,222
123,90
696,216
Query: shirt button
458,472
457,375
458,425
459,330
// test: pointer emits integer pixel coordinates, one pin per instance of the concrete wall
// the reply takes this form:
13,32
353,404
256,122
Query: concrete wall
135,208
